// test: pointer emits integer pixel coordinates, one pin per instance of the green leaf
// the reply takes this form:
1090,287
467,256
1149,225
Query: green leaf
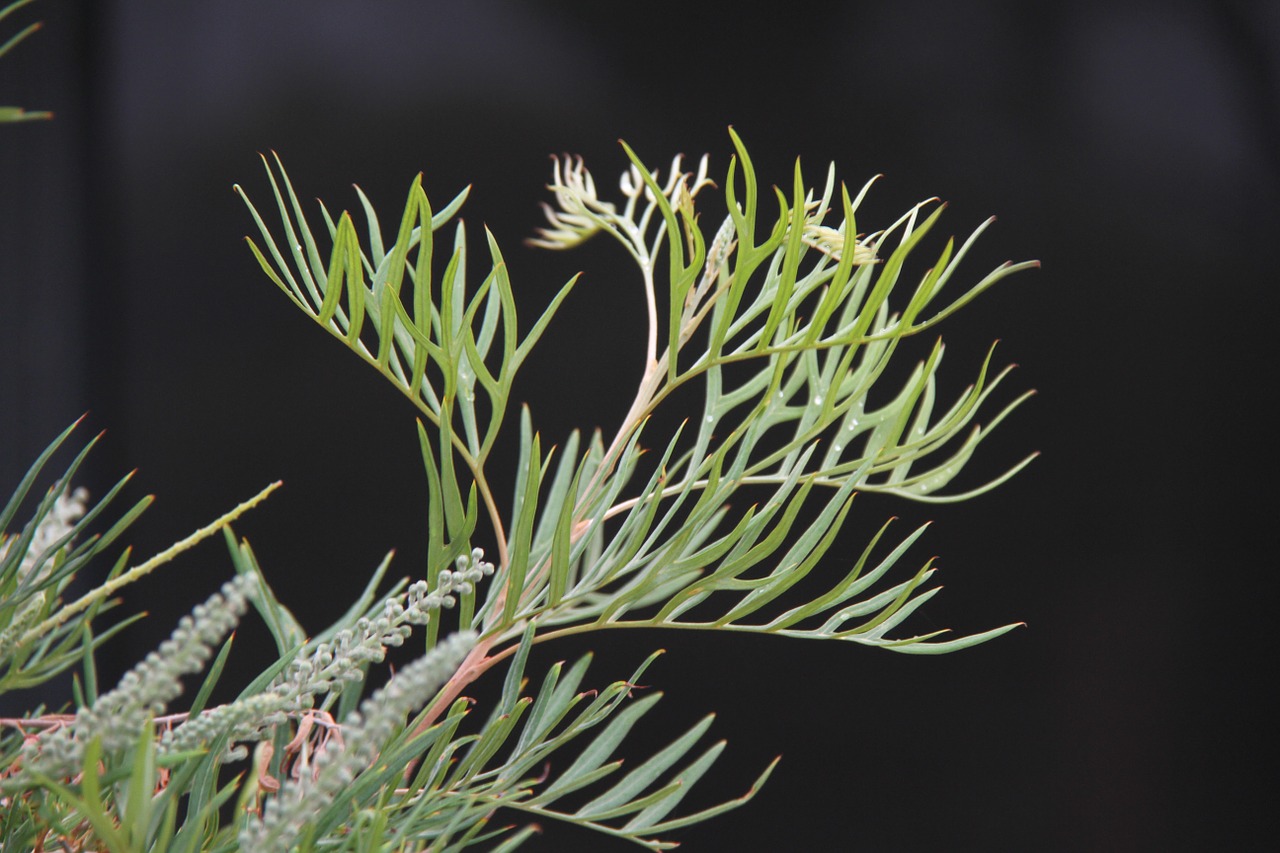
522,533
600,750
93,806
627,788
715,811
24,485
681,785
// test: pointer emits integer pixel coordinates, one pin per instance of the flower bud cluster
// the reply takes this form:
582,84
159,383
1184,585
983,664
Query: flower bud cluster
118,716
61,519
580,211
332,664
469,569
242,720
344,658
365,732
36,564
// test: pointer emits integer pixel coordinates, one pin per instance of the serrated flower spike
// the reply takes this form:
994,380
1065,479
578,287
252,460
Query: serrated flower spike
580,213
303,799
831,241
67,509
117,717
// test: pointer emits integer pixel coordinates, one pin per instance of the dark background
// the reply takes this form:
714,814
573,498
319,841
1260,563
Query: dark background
1134,148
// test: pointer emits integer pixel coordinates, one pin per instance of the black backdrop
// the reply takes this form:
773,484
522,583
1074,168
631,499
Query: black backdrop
1131,146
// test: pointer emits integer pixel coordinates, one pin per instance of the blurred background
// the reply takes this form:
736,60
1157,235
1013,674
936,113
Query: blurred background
1133,147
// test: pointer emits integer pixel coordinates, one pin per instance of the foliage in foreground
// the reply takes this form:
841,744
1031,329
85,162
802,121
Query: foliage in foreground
16,114
781,316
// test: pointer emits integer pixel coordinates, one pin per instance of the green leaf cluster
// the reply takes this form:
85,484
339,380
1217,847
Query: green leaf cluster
783,320
37,642
786,321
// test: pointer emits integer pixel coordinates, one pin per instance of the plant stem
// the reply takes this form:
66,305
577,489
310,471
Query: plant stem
108,588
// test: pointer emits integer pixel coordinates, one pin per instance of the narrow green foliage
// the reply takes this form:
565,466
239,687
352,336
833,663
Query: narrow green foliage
39,636
430,335
16,114
786,318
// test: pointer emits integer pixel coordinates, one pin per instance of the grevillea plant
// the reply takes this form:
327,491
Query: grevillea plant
782,316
